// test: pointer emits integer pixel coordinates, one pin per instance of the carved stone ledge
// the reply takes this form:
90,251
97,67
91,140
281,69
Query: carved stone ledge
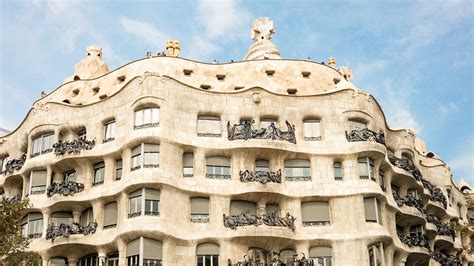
147,125
246,219
65,230
244,131
365,134
75,146
14,165
260,176
66,188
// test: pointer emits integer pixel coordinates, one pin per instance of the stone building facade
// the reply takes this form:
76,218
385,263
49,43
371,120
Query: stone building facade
169,161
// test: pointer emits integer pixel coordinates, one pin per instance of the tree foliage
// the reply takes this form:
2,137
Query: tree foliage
465,229
13,244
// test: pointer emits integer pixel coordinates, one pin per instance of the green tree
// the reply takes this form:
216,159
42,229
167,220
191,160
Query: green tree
13,245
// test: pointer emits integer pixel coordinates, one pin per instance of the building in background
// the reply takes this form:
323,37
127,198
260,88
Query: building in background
169,161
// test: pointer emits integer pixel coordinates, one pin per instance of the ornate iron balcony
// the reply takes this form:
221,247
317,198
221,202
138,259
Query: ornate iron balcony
409,200
405,164
110,226
298,259
414,240
298,178
445,259
260,176
217,176
437,195
14,165
200,218
65,188
246,219
365,134
65,230
75,146
444,229
244,131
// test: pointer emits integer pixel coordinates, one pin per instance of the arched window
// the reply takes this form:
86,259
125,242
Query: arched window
32,225
147,117
366,168
89,260
286,256
38,181
149,204
357,125
337,171
146,249
146,155
113,259
109,131
315,213
312,130
188,164
42,144
199,210
321,256
62,217
99,173
297,170
110,215
207,254
87,217
218,167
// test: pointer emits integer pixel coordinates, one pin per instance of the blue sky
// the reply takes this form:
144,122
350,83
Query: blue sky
415,57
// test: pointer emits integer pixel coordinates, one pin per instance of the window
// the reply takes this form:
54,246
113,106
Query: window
109,134
366,168
3,163
372,210
315,213
262,166
69,176
218,167
42,144
148,117
337,171
382,180
38,182
110,215
286,256
312,130
99,172
82,134
59,261
149,249
238,206
376,255
32,225
58,218
208,126
113,259
146,155
416,230
87,217
356,125
89,260
321,256
413,193
188,164
149,205
199,210
207,254
297,170
118,169
266,122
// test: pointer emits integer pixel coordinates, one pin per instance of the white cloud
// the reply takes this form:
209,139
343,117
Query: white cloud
202,48
448,108
222,17
145,31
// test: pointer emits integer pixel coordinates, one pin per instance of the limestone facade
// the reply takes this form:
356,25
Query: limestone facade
161,140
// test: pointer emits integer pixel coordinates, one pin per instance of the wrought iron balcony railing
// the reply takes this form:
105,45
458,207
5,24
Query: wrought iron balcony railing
75,146
14,165
217,176
65,188
148,125
108,140
200,218
445,259
244,131
110,226
274,260
365,134
246,218
260,176
437,195
444,229
405,164
409,200
414,240
65,230
298,178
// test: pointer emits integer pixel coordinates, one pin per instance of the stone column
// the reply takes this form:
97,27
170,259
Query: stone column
76,217
126,162
45,262
98,209
199,164
109,170
102,258
122,247
72,261
261,206
122,209
49,175
46,216
26,185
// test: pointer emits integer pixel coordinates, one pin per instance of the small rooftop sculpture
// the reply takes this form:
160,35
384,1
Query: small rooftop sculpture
92,66
262,30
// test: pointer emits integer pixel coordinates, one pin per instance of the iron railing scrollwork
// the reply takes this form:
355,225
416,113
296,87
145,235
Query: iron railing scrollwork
437,195
218,176
65,230
297,260
65,188
148,125
14,164
444,229
246,218
409,200
75,146
244,131
365,134
200,218
414,240
445,259
260,176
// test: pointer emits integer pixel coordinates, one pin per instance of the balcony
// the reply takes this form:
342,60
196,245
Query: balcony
407,165
437,195
65,188
217,176
75,146
65,230
260,176
14,165
445,259
246,219
244,131
200,218
409,200
365,134
414,240
443,229
272,258
148,125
